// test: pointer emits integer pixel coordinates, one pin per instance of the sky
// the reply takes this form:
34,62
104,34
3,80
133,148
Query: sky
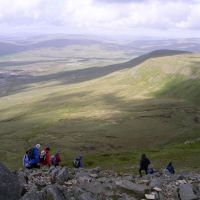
123,18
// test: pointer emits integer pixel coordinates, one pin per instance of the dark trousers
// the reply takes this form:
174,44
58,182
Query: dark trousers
140,171
34,166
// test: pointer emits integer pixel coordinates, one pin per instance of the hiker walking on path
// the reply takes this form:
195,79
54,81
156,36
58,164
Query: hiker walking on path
144,164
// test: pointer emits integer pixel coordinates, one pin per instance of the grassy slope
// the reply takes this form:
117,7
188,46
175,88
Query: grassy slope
111,120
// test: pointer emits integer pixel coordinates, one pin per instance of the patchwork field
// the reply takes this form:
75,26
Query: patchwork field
109,113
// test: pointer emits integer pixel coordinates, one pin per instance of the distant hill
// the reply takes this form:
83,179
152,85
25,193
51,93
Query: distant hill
10,48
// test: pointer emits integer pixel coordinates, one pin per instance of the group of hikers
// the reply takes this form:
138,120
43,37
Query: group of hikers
146,166
34,158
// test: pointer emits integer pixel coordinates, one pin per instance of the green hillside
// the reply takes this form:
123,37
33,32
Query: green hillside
152,107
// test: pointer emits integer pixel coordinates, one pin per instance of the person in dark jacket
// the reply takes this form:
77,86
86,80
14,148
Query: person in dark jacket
170,168
78,162
144,164
56,159
35,160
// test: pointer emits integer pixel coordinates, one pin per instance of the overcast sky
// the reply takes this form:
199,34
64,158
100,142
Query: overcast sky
152,18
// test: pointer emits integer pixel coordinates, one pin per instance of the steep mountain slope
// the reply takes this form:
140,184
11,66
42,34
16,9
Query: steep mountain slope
77,76
151,107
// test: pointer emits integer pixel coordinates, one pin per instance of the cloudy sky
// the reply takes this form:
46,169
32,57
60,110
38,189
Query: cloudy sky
153,18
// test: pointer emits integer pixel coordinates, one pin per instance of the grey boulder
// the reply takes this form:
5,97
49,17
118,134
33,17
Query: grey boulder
34,195
94,187
9,184
86,196
186,192
62,176
54,193
137,189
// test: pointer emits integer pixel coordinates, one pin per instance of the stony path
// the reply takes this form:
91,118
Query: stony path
96,184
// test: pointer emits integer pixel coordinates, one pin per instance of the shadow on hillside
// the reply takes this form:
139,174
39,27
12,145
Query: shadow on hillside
81,75
116,126
181,89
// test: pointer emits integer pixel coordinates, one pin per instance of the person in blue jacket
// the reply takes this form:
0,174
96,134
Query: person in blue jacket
35,158
170,168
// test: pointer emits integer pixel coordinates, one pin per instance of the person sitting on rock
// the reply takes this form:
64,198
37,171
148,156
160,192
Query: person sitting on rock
170,168
26,160
35,157
78,162
144,164
45,156
55,159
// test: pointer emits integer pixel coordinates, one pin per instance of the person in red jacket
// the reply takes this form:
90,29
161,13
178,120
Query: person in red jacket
45,157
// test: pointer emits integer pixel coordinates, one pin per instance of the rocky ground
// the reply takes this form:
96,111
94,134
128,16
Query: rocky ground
62,183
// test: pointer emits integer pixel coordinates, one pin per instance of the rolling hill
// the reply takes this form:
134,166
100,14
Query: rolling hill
15,47
149,104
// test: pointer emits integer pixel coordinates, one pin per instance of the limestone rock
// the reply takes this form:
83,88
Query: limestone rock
62,176
86,196
22,182
95,187
135,188
54,193
34,195
156,182
186,192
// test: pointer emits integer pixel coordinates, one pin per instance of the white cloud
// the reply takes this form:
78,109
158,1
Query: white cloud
97,16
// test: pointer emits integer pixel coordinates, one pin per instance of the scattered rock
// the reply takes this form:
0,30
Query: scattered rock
186,192
156,182
93,175
62,176
85,196
34,195
157,189
57,183
95,187
150,196
54,193
135,188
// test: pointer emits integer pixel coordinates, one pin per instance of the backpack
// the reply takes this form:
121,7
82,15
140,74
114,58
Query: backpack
43,155
30,153
26,162
53,160
76,163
